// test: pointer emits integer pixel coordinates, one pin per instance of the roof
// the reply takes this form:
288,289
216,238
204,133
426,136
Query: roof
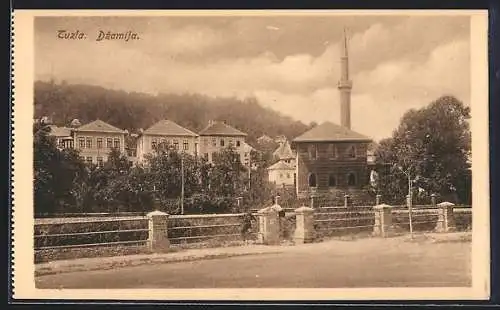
264,139
281,165
59,131
99,126
248,147
331,132
169,128
284,151
221,129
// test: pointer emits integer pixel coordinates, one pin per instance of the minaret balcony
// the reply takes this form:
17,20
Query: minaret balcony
344,84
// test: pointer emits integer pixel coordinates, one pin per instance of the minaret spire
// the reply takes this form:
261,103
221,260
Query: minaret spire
345,85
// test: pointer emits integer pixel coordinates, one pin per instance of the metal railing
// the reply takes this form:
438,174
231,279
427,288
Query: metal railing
54,235
343,220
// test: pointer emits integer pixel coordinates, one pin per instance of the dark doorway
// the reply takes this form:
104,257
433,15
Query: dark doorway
312,180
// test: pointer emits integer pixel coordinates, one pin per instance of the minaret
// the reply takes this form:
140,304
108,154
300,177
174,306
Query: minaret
345,86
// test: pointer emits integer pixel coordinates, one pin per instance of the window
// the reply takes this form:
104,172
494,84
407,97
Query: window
312,180
351,179
176,144
332,180
116,143
221,142
238,143
231,142
351,152
89,160
109,143
99,143
313,153
281,175
88,143
288,175
333,151
100,162
62,143
153,144
185,145
206,156
214,142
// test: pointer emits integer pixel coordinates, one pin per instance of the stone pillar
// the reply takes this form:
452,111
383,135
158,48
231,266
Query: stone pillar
269,228
158,231
262,227
346,201
433,200
312,201
383,220
378,200
446,220
304,230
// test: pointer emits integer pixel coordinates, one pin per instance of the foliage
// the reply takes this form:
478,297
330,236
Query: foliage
55,172
227,175
259,190
431,145
165,167
131,111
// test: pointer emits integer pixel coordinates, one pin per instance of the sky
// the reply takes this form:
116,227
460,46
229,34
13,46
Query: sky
289,63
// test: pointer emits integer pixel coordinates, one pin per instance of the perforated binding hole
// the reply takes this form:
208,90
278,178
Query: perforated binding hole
11,199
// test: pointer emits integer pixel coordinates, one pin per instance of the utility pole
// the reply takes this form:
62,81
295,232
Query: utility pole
410,202
182,184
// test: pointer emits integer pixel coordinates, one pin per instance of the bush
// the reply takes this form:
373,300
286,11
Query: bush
205,204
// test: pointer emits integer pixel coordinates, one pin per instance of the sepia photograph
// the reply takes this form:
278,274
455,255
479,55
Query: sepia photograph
246,151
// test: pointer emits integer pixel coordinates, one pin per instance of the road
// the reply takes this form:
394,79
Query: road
333,264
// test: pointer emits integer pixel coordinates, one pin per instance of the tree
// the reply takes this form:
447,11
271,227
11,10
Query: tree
165,166
431,145
55,172
259,190
227,176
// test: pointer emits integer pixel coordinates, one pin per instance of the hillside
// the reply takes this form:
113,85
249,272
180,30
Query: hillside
132,111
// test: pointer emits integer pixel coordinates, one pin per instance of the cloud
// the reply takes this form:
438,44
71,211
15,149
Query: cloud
394,68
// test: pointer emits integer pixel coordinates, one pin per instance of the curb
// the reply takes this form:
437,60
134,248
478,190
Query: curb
44,271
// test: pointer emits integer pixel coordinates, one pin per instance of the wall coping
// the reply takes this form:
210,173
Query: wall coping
382,206
303,209
156,213
445,204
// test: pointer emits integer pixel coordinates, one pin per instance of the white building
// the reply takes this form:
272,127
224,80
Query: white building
282,174
218,136
169,133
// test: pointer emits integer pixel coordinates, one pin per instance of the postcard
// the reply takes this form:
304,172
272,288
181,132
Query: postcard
250,155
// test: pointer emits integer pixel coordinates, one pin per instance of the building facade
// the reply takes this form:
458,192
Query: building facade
96,139
331,157
63,136
217,136
282,174
168,133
